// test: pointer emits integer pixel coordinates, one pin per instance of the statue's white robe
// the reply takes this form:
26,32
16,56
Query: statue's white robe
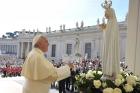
111,50
39,73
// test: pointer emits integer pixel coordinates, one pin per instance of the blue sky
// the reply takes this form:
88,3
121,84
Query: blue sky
32,14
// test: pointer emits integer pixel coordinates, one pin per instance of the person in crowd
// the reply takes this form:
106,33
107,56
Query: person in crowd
39,73
62,84
72,78
67,82
62,88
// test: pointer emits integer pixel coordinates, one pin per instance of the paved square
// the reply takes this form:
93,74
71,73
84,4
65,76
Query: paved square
14,85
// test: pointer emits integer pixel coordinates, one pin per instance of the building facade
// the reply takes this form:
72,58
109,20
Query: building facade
62,42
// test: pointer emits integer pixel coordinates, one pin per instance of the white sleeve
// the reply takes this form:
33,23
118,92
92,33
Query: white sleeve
63,72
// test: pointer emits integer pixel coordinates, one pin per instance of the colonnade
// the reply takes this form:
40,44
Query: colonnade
23,49
8,48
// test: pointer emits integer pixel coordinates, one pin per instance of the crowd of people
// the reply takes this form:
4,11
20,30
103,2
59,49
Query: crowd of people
68,85
39,73
10,65
9,71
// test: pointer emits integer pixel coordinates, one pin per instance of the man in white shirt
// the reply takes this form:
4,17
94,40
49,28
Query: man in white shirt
39,73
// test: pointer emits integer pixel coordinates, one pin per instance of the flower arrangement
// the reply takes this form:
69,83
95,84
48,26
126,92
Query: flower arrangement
92,82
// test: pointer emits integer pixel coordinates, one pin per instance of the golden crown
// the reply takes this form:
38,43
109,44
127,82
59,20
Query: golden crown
106,4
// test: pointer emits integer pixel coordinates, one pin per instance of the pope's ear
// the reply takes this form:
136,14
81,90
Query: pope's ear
38,44
40,41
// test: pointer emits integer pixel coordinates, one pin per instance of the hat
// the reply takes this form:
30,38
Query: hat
35,39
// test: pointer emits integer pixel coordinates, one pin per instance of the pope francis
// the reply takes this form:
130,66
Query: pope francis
39,73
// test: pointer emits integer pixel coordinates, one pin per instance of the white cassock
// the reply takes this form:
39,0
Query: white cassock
39,73
111,50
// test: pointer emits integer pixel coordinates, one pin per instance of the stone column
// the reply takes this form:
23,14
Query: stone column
82,47
12,48
59,53
6,48
3,47
93,54
97,44
21,50
100,47
27,50
133,37
18,50
15,47
60,47
0,48
30,46
95,47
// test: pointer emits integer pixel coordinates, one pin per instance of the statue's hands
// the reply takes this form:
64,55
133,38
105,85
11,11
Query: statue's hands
102,26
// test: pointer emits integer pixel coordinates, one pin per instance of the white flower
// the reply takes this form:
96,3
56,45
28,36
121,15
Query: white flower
136,78
90,71
126,74
123,80
119,76
104,84
99,72
97,83
118,82
128,88
89,74
76,77
108,90
82,74
117,90
121,71
94,71
131,80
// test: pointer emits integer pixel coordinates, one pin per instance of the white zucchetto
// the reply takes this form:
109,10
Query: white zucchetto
35,39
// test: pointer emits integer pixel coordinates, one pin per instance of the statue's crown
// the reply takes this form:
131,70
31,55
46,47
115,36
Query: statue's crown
106,4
